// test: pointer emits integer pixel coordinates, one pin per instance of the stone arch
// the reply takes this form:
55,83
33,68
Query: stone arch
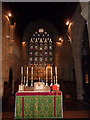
34,26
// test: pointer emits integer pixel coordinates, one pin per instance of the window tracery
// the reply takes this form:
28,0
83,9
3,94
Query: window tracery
40,48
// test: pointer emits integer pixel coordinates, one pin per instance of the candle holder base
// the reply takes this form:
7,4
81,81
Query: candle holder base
31,85
26,84
56,83
51,84
47,88
46,84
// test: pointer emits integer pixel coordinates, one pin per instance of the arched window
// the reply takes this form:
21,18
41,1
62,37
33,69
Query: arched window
40,48
40,53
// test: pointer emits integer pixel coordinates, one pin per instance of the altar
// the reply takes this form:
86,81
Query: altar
29,104
39,100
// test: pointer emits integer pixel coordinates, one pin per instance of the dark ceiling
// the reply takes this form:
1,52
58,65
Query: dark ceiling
55,12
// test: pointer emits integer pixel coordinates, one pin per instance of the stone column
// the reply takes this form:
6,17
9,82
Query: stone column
12,42
1,83
85,6
78,74
76,33
77,54
88,24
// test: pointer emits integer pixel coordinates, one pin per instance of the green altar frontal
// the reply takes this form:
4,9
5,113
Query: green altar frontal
38,105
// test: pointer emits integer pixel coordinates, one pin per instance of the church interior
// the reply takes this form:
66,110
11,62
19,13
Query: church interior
46,43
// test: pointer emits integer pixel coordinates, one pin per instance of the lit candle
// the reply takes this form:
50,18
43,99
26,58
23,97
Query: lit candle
21,70
27,70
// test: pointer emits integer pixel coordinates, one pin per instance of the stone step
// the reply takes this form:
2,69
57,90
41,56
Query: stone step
66,114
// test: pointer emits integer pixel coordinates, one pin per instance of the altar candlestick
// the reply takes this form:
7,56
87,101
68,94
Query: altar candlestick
54,79
39,75
24,80
56,70
51,78
46,70
31,76
32,72
39,79
56,74
51,70
27,77
46,74
46,78
27,70
21,70
21,75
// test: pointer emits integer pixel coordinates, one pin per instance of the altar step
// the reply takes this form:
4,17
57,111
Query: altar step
66,114
76,114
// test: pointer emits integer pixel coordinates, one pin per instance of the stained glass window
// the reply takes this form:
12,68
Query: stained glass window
41,48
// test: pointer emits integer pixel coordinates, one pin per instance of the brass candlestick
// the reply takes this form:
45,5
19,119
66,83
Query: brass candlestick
31,82
46,80
56,74
31,76
51,77
24,80
51,82
27,81
56,79
21,79
21,75
46,77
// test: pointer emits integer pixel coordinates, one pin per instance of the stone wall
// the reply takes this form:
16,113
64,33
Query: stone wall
11,56
1,84
25,57
64,61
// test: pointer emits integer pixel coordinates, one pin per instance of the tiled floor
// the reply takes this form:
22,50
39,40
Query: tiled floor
72,109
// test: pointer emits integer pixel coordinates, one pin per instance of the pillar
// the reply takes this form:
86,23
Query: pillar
85,6
77,55
76,33
1,83
88,24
